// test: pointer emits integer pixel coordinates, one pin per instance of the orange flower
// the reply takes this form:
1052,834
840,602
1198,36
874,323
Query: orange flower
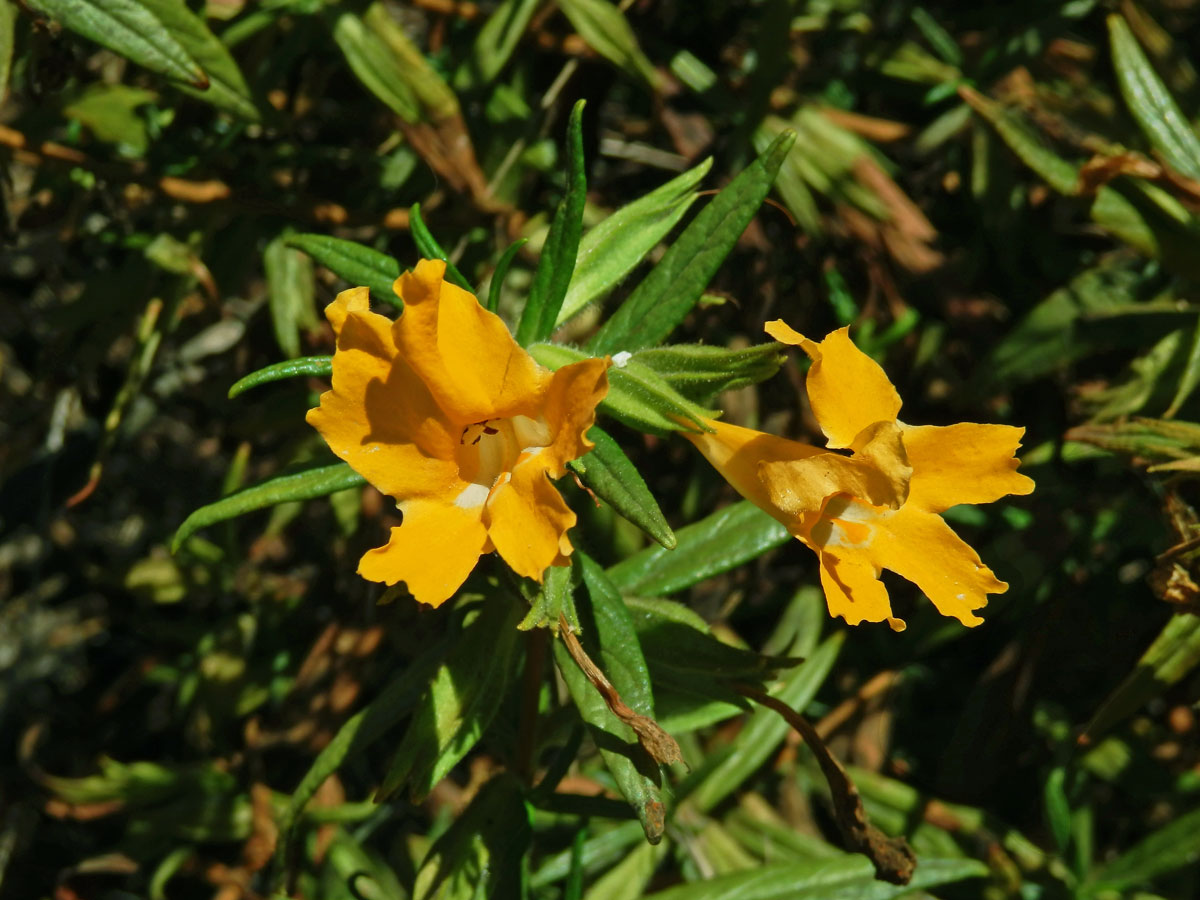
878,507
442,410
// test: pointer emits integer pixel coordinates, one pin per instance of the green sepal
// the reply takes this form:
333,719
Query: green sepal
554,599
699,371
637,395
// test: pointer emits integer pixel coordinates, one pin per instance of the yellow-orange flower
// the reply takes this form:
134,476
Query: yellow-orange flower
876,508
443,411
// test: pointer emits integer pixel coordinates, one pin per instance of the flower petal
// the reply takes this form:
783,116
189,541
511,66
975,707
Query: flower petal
847,389
964,463
921,547
853,589
527,520
463,353
432,551
569,409
379,417
741,455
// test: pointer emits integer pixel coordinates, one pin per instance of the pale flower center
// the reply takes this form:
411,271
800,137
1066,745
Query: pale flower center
492,449
846,522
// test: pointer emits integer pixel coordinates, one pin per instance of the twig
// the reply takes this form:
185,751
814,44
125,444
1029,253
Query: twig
892,857
660,745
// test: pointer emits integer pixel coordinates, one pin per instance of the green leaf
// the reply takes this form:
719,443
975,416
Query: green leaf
374,64
308,484
1174,653
637,396
1057,806
557,261
1140,214
1171,847
610,250
314,366
1190,378
128,28
1150,103
664,297
610,640
361,730
698,371
110,112
482,853
692,670
461,701
718,543
429,248
599,852
606,30
496,287
763,732
226,88
290,293
352,262
844,877
608,472
629,877
556,598
495,43
8,18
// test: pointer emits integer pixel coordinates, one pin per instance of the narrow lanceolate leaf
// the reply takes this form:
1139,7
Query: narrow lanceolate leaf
495,43
354,263
226,88
763,732
846,877
664,297
610,250
374,64
1174,653
699,371
461,701
1171,847
361,730
496,288
613,645
606,30
128,28
483,852
429,248
610,474
637,396
1151,104
8,16
305,485
1110,209
290,289
557,262
305,366
728,538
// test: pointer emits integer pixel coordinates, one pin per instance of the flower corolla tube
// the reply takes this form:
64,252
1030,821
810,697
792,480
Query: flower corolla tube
876,506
